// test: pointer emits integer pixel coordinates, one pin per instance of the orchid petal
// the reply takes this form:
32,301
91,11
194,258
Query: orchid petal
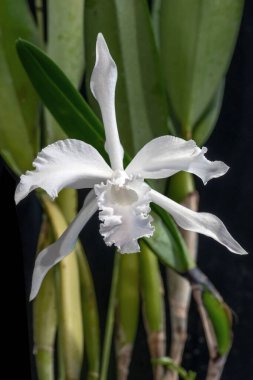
124,211
103,84
63,246
201,222
167,155
66,163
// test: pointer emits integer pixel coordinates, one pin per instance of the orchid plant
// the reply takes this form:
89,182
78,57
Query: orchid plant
120,194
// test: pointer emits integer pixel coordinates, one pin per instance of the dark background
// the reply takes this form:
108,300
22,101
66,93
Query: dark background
230,198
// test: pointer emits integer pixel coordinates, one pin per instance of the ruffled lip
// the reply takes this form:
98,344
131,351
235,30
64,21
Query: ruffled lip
123,202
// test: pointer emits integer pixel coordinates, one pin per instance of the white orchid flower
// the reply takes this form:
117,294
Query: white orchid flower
121,195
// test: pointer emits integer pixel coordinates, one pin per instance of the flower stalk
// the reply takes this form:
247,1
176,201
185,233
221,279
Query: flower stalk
67,202
90,315
60,355
110,319
45,318
182,190
127,315
70,316
153,306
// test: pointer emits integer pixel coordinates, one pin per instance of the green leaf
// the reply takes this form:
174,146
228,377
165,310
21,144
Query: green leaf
14,142
221,319
65,37
196,52
220,316
18,100
140,99
206,124
168,245
61,98
65,46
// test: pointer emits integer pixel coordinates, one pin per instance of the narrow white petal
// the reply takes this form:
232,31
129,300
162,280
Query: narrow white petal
201,222
103,84
66,163
167,155
124,211
63,246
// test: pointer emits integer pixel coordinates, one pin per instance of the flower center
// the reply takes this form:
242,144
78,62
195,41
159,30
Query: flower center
123,196
123,203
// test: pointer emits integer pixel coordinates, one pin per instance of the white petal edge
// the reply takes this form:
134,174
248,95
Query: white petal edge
66,163
103,84
201,222
167,155
55,252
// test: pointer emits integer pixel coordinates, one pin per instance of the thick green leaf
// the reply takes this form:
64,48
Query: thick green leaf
65,47
65,37
167,242
140,99
221,319
220,316
15,145
195,52
61,98
18,100
206,124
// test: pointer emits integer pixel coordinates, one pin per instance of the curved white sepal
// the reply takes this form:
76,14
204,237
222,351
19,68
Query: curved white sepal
124,212
103,83
167,155
66,163
55,252
201,222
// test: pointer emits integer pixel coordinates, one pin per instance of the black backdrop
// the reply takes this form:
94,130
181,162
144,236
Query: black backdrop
230,198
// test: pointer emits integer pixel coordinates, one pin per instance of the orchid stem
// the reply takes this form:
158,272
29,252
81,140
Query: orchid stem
110,319
182,190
